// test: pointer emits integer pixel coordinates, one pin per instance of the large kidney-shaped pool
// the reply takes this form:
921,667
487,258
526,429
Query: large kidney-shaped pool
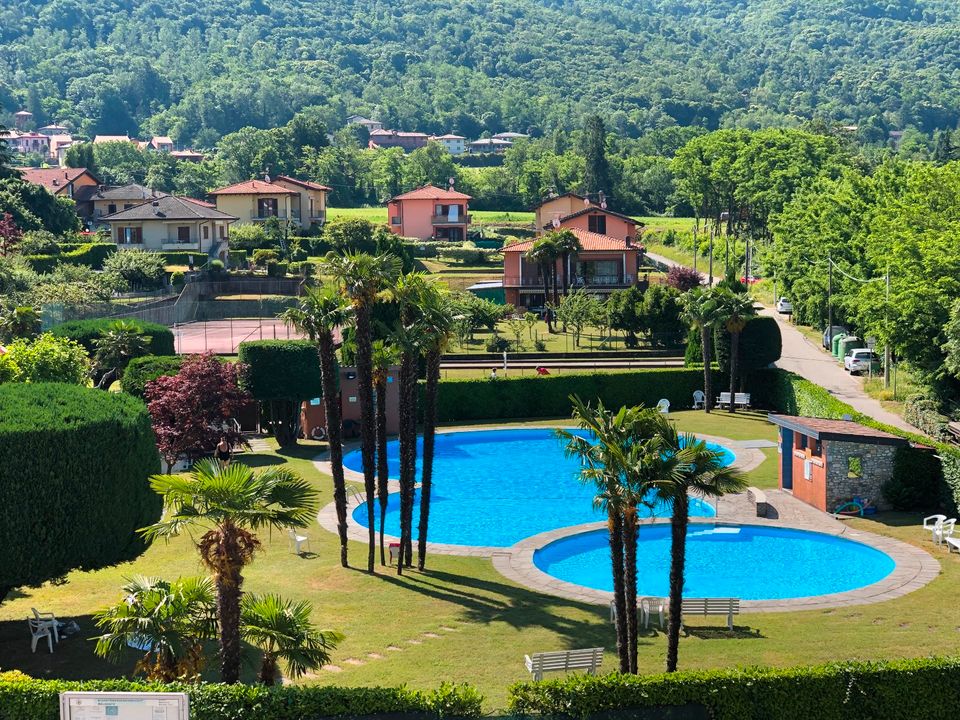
747,561
496,487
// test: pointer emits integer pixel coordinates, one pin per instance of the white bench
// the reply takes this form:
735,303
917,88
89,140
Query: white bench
739,399
759,498
588,659
712,606
952,544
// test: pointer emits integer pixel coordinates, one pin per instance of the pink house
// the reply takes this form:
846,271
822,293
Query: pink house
430,213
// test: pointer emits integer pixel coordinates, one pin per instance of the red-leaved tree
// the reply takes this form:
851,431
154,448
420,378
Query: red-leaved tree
190,410
10,234
683,278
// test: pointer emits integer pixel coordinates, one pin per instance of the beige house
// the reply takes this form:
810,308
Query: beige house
298,202
172,223
96,202
311,201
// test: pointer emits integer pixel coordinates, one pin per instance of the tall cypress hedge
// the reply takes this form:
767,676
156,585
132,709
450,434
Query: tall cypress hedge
74,469
86,331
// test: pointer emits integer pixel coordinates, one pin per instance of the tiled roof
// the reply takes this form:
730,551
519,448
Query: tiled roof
303,183
169,207
111,138
116,192
431,192
201,203
161,140
825,429
397,133
596,208
588,241
53,179
449,136
254,187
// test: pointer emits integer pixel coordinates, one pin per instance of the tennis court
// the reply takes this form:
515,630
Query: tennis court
224,336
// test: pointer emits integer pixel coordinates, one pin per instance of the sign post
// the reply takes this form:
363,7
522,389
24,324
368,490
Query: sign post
124,706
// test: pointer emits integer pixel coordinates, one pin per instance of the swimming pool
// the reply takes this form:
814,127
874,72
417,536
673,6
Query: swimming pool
748,562
496,487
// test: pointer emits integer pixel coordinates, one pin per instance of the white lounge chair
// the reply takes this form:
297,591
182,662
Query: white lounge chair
663,406
699,400
952,544
942,530
298,541
932,520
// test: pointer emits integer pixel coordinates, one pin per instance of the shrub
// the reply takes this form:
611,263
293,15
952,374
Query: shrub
86,331
74,469
262,257
23,698
237,258
139,269
885,690
39,242
924,413
683,278
760,343
47,358
277,269
917,480
178,279
142,370
91,255
182,257
248,236
497,344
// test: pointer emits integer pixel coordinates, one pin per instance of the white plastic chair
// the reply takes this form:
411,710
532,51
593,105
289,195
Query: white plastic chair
298,542
930,522
664,406
40,629
650,606
48,619
944,530
699,400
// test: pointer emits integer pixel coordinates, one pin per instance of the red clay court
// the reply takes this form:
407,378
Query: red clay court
224,336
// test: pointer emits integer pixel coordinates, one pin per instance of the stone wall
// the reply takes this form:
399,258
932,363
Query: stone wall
876,464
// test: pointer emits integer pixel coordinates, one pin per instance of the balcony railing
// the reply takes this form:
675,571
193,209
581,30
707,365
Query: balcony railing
179,245
260,218
597,281
445,220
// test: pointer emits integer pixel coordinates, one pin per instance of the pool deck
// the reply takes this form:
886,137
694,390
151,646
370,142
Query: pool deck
914,567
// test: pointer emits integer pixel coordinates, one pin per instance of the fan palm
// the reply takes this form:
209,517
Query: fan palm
229,503
361,277
168,620
736,309
384,355
283,632
701,310
120,343
689,467
320,313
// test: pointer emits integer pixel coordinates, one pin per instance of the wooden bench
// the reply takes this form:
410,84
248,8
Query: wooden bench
588,659
712,606
954,429
759,498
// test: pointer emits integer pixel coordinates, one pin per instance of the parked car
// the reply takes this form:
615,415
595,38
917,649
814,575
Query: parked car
862,360
784,306
837,330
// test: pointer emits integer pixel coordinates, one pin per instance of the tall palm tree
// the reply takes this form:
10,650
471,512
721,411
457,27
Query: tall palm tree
321,313
544,253
168,620
701,310
436,327
229,503
384,355
283,631
736,310
361,277
567,245
689,467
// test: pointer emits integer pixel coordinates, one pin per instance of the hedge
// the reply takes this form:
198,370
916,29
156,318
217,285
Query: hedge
86,331
74,469
142,370
280,369
182,257
23,698
89,254
548,396
886,690
237,258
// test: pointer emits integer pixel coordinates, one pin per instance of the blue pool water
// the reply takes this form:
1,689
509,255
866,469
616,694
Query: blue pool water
497,487
749,562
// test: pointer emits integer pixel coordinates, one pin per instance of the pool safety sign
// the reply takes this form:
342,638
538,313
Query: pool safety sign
124,706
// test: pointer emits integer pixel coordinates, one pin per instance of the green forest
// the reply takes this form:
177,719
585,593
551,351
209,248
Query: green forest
198,71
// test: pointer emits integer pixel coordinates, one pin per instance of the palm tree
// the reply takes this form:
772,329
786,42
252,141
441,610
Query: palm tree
436,327
689,467
168,620
283,631
567,244
362,276
544,253
230,502
120,343
384,355
19,322
736,310
701,310
321,312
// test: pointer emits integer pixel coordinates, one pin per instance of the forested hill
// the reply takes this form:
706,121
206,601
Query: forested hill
199,69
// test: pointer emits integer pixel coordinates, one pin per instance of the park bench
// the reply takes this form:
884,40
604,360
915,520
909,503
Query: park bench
588,659
759,498
739,399
712,606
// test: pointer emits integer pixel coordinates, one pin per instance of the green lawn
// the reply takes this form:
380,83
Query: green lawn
462,621
591,339
480,217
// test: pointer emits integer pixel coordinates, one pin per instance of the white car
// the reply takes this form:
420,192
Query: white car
862,360
784,306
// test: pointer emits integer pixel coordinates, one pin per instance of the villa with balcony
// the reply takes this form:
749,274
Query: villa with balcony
169,223
430,213
299,202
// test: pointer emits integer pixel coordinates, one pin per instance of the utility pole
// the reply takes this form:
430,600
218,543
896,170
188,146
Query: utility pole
829,303
887,354
710,276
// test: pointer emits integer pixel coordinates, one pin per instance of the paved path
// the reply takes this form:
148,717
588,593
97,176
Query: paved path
809,361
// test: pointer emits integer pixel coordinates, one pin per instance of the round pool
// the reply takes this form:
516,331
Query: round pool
494,488
749,562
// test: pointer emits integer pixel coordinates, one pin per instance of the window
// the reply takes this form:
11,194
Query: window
111,208
801,442
817,448
267,207
130,235
597,224
223,232
854,466
183,234
206,232
127,206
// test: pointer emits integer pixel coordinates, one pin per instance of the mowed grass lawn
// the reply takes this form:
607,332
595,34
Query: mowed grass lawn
462,621
379,215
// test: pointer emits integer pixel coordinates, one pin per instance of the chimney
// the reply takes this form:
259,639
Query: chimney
155,203
629,241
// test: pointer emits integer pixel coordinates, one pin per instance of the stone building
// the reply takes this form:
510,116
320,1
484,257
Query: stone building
826,463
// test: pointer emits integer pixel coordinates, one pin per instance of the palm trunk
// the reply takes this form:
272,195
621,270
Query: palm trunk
615,529
229,581
268,670
408,448
707,369
429,431
734,362
678,556
545,274
383,472
630,584
331,405
367,425
564,264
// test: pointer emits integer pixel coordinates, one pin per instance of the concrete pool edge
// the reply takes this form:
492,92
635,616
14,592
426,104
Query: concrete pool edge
914,568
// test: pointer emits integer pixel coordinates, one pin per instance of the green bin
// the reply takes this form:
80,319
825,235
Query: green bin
835,348
850,342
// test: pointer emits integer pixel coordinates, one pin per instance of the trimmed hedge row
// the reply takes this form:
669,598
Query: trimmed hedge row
142,370
89,254
23,698
280,369
86,331
532,397
887,690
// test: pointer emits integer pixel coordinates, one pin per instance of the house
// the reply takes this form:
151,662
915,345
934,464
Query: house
171,223
26,143
604,264
453,144
299,202
95,202
65,182
511,136
58,147
490,145
573,211
160,143
369,124
22,118
54,129
826,463
395,138
100,139
188,155
430,213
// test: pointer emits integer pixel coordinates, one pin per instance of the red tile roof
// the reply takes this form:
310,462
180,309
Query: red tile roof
303,183
588,241
54,179
826,429
201,203
254,187
597,209
431,192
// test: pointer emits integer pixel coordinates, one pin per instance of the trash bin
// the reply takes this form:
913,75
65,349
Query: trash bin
835,348
848,343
